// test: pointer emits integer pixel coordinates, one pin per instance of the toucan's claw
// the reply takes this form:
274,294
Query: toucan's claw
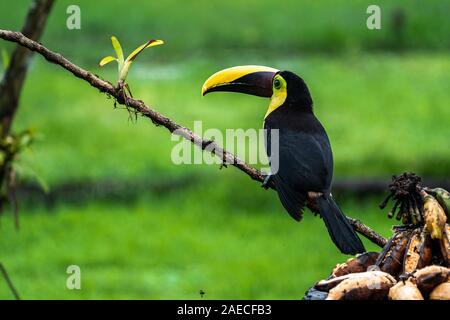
267,181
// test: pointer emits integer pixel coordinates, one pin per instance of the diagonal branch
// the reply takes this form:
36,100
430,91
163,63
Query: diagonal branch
158,119
10,90
11,85
9,282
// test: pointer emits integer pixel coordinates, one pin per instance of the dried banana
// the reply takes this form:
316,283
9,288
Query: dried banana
430,277
372,285
358,264
327,284
441,292
391,259
405,290
445,245
418,251
434,216
412,254
443,197
425,250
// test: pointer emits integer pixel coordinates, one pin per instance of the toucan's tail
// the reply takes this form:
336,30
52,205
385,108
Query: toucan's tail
340,230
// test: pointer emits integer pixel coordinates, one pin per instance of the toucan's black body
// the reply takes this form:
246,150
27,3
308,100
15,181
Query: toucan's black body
305,162
304,156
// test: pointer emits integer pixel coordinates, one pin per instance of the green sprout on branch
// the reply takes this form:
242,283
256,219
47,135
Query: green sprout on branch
124,64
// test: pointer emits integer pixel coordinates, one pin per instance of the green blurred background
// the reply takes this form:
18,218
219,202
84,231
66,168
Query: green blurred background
141,227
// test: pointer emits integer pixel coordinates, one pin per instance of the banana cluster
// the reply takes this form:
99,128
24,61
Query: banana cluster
431,282
413,265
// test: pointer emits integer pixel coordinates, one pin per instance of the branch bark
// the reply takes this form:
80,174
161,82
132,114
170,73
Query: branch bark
12,83
9,282
10,90
158,119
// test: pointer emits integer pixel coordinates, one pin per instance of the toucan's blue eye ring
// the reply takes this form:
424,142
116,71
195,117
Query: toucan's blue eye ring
277,83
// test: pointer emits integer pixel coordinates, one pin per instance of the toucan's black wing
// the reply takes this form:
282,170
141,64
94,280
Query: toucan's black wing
305,164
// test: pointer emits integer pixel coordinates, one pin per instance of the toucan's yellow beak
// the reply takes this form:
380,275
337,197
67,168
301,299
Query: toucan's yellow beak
254,80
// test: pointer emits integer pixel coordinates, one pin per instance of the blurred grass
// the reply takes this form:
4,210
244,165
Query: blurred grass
382,95
368,103
264,26
148,250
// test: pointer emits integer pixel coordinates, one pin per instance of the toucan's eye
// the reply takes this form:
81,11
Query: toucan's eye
277,83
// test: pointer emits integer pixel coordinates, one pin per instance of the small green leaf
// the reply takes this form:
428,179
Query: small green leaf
124,71
126,66
106,60
118,48
141,48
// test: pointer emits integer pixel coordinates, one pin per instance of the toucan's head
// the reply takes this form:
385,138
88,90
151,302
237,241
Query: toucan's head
285,88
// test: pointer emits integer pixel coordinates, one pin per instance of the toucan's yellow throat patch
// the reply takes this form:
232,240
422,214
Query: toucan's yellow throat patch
279,88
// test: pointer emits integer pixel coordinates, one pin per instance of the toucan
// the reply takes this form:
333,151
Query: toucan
305,161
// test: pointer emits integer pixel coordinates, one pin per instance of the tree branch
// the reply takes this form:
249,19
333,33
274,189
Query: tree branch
10,90
14,77
159,119
9,282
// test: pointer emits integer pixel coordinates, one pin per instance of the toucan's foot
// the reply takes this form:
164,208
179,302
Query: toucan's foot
267,181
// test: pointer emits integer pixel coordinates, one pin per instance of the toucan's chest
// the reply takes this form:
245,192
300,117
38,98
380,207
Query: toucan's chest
289,119
298,139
